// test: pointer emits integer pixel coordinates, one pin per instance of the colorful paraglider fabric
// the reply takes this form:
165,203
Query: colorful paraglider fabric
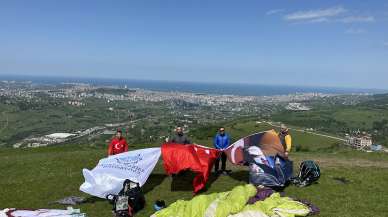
199,159
268,142
264,154
234,203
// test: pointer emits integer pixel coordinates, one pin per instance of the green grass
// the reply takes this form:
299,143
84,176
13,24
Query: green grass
17,124
31,178
362,118
362,196
62,118
339,119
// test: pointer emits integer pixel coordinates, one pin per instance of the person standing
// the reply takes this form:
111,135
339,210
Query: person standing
118,144
285,138
221,141
180,137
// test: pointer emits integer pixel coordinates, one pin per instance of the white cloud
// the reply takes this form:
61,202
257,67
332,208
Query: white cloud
319,20
355,31
358,19
274,11
315,14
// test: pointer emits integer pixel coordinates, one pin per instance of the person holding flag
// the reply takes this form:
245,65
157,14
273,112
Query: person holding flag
180,137
118,144
221,142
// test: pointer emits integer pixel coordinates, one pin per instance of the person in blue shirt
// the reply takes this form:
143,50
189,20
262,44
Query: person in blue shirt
221,141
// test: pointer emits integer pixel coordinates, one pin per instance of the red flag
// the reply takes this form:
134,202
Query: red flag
199,159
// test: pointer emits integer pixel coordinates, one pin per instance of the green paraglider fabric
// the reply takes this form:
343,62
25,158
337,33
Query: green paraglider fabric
233,204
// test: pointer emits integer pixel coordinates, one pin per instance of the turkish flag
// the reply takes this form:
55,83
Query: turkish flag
199,159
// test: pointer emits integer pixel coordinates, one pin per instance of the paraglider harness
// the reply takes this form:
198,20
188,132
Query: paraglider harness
270,171
129,200
309,173
276,175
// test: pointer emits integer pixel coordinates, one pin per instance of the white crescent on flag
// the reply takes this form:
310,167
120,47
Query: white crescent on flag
117,146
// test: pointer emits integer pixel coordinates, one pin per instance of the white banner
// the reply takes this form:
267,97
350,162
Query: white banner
109,174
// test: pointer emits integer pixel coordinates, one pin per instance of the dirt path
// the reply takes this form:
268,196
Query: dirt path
304,131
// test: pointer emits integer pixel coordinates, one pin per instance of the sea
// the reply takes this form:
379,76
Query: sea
196,87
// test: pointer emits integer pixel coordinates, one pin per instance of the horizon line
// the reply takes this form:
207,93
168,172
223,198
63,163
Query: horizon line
198,82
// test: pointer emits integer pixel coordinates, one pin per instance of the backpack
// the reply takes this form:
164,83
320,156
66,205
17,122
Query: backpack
309,173
128,201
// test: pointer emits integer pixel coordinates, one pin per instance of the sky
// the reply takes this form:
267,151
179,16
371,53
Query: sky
309,43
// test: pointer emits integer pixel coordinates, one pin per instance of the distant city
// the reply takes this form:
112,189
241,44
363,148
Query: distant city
64,110
29,89
193,87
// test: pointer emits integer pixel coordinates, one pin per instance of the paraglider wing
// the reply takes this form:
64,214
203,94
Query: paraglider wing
267,141
271,145
199,159
265,155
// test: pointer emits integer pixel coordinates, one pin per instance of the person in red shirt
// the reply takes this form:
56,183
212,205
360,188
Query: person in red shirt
118,144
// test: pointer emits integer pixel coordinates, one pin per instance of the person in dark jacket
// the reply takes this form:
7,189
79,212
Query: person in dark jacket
221,141
180,137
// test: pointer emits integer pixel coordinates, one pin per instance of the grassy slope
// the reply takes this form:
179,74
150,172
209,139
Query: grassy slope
34,177
340,118
65,118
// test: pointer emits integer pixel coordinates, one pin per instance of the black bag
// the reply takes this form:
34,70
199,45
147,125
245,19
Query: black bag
309,173
129,200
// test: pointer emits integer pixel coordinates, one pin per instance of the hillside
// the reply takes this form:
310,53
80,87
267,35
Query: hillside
31,178
370,115
21,119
